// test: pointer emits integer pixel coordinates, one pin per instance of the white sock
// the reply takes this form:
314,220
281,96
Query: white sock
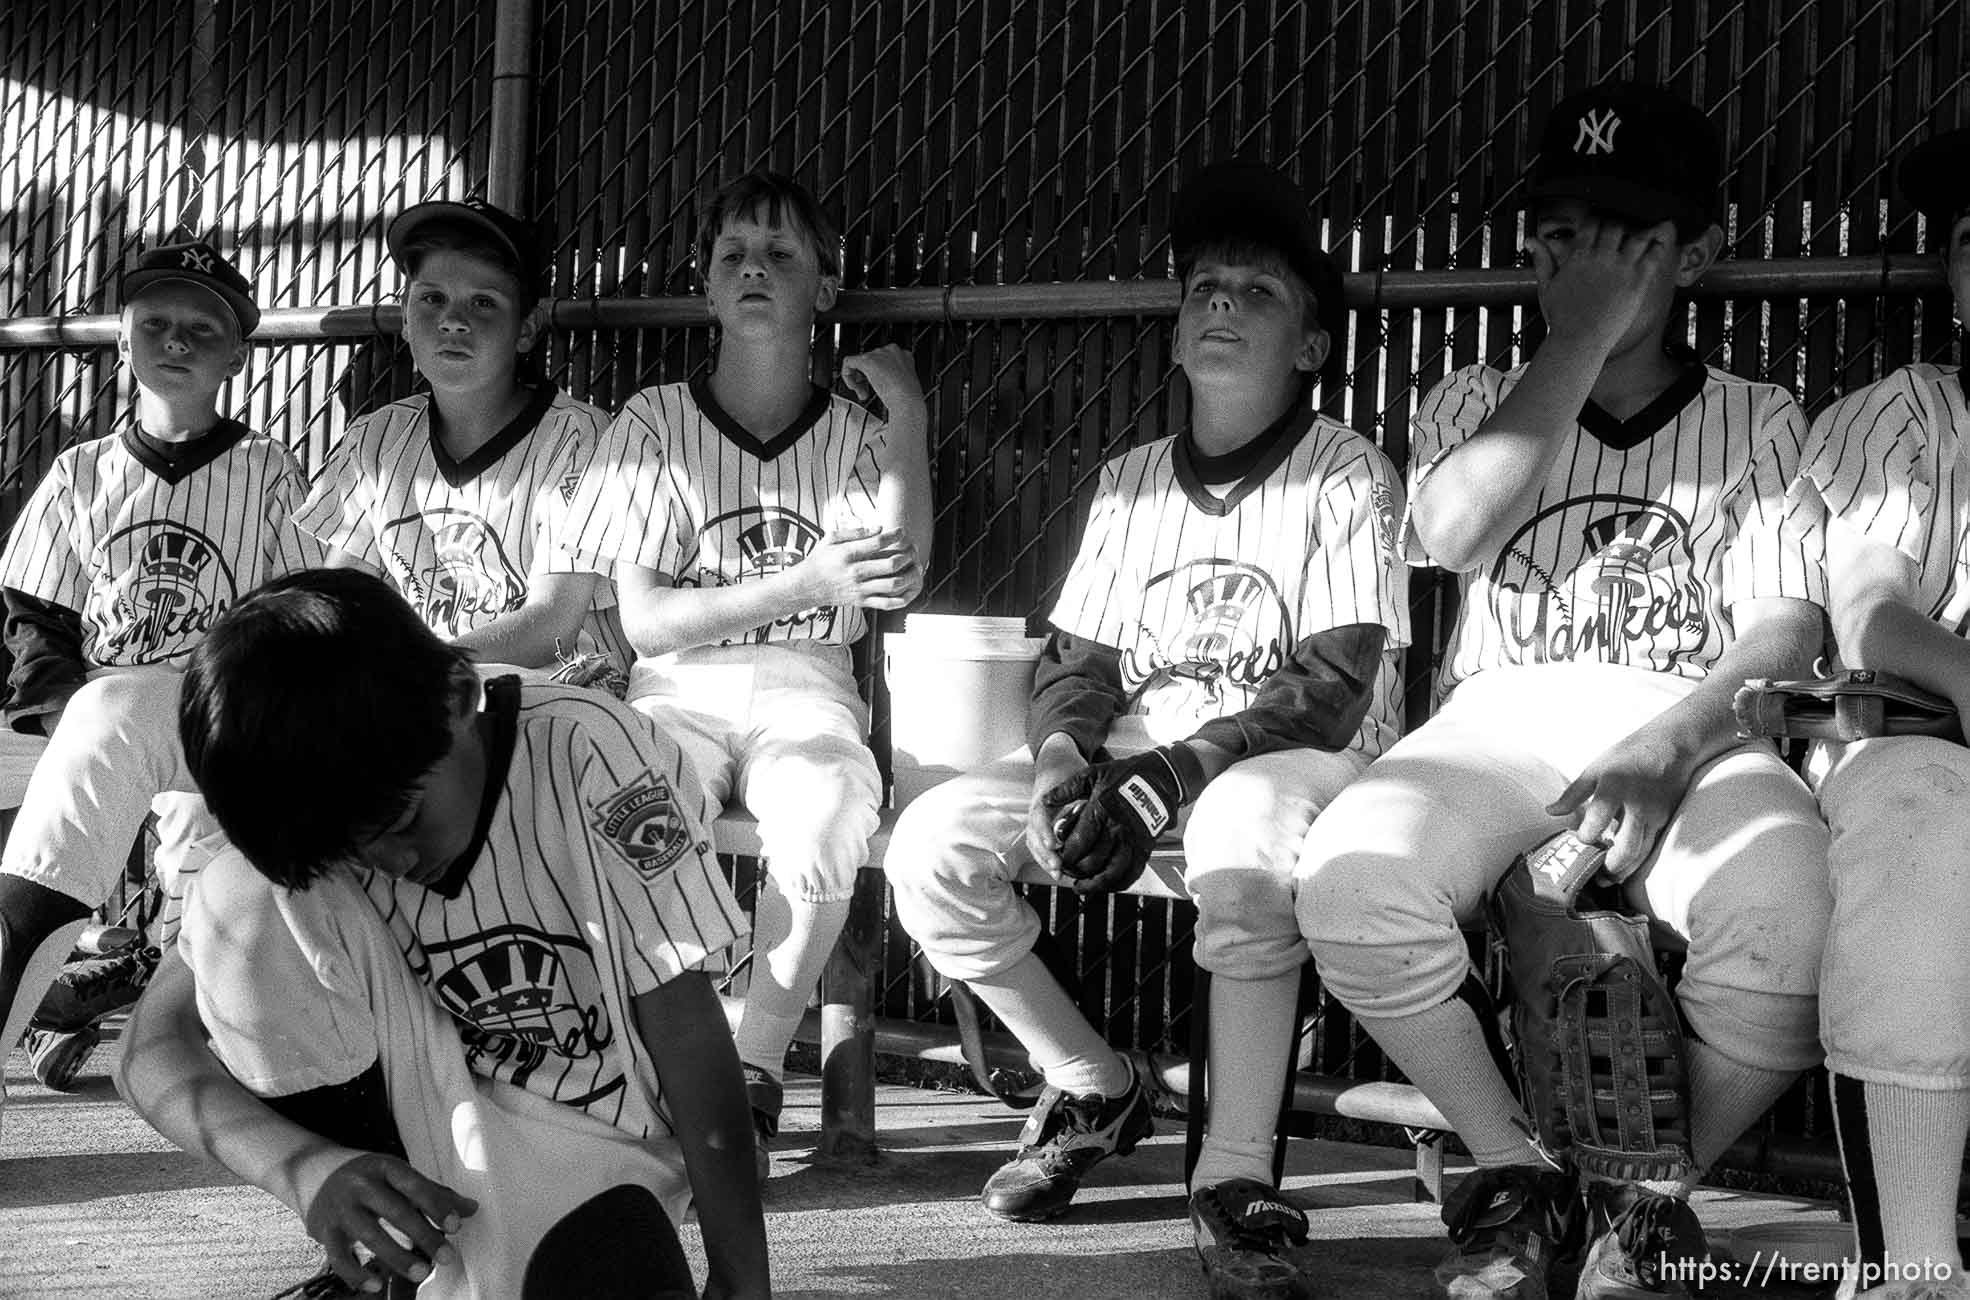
1917,1138
1726,1098
1069,1051
791,942
1251,1037
1443,1051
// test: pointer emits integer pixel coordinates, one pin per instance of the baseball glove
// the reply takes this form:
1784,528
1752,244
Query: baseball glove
594,670
1850,705
1598,1038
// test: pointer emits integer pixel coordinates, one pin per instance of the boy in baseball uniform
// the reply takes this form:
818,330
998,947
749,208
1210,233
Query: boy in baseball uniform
506,906
1613,510
123,557
751,518
1223,663
1886,476
454,496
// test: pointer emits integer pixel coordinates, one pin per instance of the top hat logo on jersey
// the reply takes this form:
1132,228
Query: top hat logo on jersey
451,564
1216,644
759,541
642,822
1602,578
170,586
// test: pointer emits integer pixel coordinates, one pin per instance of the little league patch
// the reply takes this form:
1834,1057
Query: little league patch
642,822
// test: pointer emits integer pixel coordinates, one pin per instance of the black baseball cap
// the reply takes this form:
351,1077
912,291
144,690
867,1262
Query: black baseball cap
1631,150
1935,178
1243,200
502,229
195,262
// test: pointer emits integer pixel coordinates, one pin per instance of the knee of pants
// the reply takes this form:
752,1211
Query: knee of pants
1895,979
1382,927
1239,848
948,873
816,814
1750,987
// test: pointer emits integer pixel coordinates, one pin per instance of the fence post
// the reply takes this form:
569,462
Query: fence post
511,147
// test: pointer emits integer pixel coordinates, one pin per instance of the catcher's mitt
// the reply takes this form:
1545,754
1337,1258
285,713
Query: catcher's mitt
592,670
1850,705
1598,1038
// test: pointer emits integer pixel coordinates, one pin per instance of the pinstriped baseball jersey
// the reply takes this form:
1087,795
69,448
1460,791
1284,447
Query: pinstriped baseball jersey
150,542
461,539
593,881
1205,597
1888,460
1645,533
687,491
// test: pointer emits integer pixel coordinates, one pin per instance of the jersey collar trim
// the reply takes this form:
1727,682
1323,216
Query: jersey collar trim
503,706
460,472
742,437
1657,415
174,462
1247,467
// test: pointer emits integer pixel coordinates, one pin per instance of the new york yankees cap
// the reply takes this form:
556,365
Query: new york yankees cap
1935,179
1242,200
1632,150
195,262
500,227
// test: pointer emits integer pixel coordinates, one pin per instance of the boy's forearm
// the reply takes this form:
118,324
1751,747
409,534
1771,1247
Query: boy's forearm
171,1078
904,500
662,619
684,1030
1468,504
548,623
1895,637
1779,638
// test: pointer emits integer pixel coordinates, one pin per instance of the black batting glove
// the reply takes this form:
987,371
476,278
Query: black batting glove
1112,812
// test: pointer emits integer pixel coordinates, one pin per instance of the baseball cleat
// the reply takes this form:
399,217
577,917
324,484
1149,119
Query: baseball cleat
1644,1244
1247,1237
85,991
1509,1228
767,1097
1064,1138
59,1055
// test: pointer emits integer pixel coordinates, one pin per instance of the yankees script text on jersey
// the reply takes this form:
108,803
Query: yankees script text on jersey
1645,533
1190,588
150,542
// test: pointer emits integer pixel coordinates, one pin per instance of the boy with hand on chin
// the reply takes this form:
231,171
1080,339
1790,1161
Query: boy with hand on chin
1613,511
1223,663
751,518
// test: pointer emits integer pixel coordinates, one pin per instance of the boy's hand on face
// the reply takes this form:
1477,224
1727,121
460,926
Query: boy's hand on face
1596,292
380,1202
889,374
873,568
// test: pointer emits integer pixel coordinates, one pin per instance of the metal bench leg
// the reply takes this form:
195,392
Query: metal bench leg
1429,1165
848,1030
1196,1106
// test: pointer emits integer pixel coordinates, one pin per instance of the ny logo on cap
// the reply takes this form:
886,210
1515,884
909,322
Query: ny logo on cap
197,259
1596,132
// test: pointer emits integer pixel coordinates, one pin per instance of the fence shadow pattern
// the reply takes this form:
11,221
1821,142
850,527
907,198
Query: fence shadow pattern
960,142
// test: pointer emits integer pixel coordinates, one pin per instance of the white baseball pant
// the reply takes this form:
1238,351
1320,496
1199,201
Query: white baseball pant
1402,861
956,848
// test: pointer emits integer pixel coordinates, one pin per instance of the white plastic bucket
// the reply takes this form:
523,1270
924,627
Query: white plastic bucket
958,694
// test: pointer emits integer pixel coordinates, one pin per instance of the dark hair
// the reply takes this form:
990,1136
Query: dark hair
779,200
310,711
442,234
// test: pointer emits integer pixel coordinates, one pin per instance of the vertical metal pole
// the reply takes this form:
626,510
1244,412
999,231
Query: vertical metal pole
511,148
201,119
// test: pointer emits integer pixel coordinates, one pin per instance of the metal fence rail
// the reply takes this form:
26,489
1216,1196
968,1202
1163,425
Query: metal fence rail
1002,170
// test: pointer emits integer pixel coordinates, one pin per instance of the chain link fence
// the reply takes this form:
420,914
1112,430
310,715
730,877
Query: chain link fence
962,144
